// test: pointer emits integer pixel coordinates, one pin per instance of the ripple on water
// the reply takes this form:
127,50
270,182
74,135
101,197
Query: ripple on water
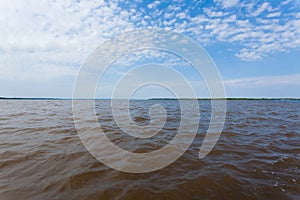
256,157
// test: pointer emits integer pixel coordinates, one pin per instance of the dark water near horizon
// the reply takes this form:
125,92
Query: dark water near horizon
256,157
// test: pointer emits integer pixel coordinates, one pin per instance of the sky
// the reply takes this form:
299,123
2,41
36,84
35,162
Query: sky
255,44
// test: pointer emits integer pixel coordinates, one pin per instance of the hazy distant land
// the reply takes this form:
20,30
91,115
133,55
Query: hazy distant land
229,98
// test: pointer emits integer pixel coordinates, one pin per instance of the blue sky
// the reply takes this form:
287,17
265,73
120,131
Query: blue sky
255,44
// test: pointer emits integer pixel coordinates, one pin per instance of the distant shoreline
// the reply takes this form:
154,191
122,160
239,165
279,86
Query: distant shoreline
24,98
229,98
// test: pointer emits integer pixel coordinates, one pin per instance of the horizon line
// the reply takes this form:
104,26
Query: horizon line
154,98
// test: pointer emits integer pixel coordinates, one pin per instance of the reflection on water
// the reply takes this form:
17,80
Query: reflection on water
256,157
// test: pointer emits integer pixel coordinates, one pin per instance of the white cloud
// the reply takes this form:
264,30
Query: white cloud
37,72
212,13
228,3
290,79
54,33
286,2
181,15
260,9
252,31
63,33
153,4
274,14
246,54
264,86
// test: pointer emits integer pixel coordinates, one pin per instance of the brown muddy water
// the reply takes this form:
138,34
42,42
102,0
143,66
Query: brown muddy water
256,157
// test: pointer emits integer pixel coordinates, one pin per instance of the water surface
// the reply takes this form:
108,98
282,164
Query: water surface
256,157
